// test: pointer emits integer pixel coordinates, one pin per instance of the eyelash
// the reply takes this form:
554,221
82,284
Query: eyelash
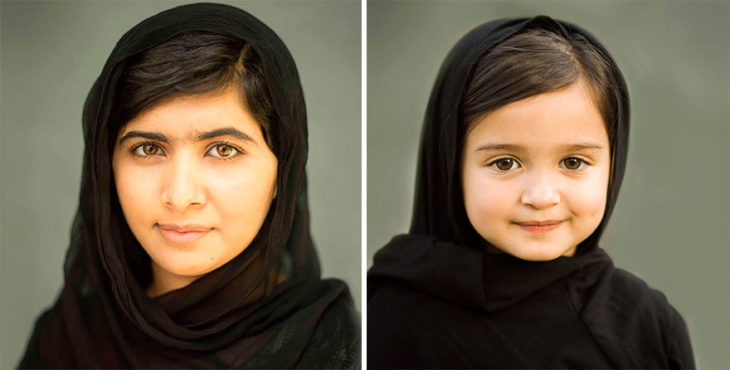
514,161
237,150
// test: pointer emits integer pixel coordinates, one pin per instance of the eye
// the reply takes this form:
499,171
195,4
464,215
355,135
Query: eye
224,151
147,150
573,163
505,164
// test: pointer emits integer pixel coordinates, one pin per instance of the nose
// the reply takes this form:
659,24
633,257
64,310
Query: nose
182,188
540,192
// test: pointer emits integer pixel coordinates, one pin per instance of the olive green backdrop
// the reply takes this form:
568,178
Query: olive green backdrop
670,225
51,55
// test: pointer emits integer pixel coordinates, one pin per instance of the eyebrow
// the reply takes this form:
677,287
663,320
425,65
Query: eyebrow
518,148
226,131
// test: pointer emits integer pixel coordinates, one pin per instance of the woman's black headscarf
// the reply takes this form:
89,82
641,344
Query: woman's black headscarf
440,257
266,308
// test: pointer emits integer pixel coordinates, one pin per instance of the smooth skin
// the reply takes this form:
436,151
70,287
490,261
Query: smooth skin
222,182
542,158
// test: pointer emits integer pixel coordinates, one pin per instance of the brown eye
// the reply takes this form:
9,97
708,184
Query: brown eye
147,150
573,163
223,151
504,164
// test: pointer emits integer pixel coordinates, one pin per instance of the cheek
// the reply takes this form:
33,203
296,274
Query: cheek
243,195
483,206
135,196
588,198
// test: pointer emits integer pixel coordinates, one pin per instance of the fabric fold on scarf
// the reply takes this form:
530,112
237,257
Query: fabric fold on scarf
471,276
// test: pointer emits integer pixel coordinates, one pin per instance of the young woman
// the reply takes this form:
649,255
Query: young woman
191,245
522,155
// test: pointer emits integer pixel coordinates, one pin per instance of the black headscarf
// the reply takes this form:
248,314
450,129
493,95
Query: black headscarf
266,308
438,207
441,257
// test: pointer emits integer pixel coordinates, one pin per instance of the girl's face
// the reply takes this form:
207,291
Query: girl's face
195,180
535,174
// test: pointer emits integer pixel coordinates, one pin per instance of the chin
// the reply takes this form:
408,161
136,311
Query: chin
188,267
189,271
536,253
537,257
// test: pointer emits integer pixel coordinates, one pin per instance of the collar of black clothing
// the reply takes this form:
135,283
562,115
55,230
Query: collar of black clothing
470,276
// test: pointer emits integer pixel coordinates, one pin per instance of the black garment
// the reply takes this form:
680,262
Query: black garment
266,308
442,305
438,299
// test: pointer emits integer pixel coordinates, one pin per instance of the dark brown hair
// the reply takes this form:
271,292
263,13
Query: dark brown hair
535,62
196,63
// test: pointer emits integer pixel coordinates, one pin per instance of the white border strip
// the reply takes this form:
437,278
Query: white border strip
364,178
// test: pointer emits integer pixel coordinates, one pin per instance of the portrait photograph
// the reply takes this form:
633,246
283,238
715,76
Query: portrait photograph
514,223
181,184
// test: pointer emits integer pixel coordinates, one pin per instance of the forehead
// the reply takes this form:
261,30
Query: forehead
558,117
186,116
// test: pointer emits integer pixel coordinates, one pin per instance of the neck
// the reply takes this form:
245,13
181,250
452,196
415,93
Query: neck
164,281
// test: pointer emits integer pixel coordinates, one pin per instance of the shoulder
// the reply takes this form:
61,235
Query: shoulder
640,296
390,308
391,323
631,294
336,336
396,307
638,322
411,329
341,319
49,337
657,314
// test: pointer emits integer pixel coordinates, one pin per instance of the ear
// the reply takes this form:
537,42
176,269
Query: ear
276,191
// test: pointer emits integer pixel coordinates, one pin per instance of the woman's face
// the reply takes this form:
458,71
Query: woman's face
195,180
535,174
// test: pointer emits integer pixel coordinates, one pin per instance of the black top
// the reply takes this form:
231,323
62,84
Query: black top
266,308
461,307
438,299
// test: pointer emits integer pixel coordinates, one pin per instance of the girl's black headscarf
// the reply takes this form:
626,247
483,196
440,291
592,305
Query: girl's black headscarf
438,208
263,309
440,256
441,237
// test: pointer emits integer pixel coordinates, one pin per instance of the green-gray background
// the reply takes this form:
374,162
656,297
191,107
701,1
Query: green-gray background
670,225
51,55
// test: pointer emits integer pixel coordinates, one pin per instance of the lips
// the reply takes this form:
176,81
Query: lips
539,227
183,234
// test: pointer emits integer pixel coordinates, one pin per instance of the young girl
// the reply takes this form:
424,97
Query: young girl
191,245
522,155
